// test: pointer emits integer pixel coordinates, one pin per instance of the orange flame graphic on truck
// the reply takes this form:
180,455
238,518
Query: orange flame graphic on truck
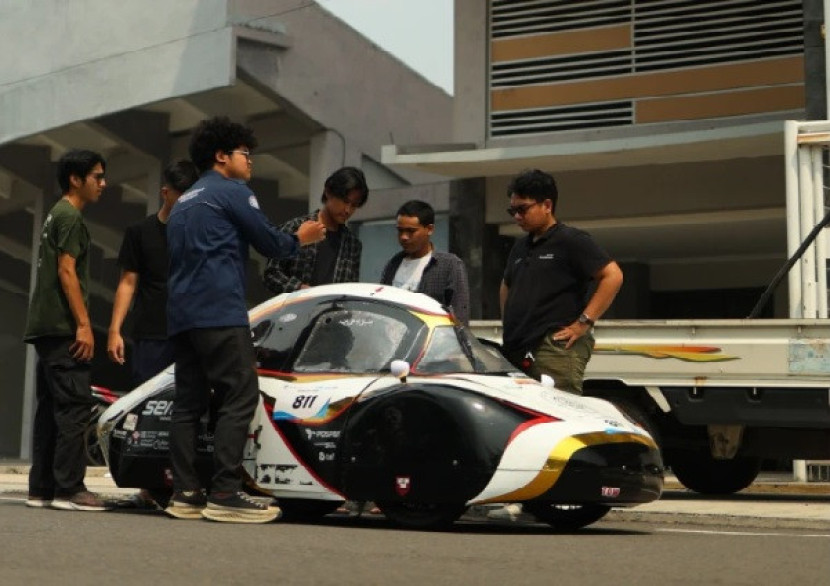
685,353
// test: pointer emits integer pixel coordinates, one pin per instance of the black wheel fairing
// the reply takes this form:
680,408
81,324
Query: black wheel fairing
424,444
616,473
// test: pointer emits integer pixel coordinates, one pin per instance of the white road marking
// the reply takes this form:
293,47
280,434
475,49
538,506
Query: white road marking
744,533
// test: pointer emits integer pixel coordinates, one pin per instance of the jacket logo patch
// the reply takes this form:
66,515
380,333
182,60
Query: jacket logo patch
253,202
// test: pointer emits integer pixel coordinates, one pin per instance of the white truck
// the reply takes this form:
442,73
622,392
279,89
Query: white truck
719,395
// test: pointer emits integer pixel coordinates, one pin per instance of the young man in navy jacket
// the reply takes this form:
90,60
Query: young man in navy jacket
208,234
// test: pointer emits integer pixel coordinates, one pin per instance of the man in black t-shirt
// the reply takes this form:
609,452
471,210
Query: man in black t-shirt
546,308
143,262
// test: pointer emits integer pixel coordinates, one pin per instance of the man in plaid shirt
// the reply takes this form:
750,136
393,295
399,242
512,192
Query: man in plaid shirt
337,258
421,268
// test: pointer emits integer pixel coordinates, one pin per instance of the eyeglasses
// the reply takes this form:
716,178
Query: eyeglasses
521,210
246,154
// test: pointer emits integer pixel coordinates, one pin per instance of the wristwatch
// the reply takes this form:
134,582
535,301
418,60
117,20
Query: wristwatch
585,320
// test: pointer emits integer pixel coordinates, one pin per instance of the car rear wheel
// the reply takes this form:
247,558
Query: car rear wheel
700,472
566,517
422,515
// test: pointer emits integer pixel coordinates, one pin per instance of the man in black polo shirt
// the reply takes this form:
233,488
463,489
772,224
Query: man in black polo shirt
546,308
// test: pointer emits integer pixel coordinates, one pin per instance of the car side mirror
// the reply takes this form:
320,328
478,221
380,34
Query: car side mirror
399,369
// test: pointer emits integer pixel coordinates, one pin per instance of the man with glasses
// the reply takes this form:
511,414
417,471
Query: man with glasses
208,233
546,305
337,258
547,310
60,328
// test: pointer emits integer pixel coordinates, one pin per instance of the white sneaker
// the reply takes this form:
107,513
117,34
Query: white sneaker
510,512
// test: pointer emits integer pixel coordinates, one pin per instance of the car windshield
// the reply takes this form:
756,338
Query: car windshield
353,341
454,349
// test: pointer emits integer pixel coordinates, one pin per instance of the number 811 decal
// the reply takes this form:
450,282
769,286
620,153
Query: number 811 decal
302,407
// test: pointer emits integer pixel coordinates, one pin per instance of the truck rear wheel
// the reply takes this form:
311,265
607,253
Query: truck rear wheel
700,472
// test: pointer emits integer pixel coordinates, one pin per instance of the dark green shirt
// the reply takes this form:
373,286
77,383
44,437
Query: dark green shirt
64,231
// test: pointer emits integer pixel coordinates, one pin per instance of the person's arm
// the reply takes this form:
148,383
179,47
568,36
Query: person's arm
277,278
83,347
503,291
123,297
461,291
609,280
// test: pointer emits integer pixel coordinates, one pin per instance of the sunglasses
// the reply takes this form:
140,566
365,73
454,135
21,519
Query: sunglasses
521,210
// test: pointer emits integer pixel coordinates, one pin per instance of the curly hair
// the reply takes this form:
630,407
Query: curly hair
218,134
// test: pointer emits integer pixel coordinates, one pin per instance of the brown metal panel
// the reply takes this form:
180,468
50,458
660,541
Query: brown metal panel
754,101
562,43
784,70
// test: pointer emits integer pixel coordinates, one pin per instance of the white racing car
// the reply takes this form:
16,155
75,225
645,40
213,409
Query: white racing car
455,425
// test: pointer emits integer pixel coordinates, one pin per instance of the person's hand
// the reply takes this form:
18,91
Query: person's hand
115,347
570,334
83,347
311,231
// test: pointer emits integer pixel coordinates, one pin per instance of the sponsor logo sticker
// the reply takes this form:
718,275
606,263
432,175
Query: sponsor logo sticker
610,492
130,421
402,485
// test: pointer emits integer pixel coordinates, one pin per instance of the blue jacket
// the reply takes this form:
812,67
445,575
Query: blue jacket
208,234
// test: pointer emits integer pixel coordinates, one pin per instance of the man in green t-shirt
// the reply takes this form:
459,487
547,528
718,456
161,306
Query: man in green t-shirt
61,331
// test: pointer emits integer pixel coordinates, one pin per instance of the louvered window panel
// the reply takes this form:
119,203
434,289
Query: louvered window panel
522,17
609,63
555,119
666,35
670,34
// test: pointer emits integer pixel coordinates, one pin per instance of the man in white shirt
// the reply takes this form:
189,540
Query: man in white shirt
421,268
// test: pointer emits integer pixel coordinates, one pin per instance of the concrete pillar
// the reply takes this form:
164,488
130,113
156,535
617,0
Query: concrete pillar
154,168
44,200
467,235
327,154
815,74
634,299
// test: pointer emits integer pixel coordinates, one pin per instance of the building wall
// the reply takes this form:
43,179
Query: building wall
597,72
563,66
89,60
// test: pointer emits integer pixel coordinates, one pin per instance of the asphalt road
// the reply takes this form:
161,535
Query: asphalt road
125,548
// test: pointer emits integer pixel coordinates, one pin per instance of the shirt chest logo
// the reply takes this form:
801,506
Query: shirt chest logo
548,256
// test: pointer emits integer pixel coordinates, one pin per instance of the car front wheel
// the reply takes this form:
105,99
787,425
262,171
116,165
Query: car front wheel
566,517
432,516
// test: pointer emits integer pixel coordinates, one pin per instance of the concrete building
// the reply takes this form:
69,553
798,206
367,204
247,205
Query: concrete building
132,79
661,120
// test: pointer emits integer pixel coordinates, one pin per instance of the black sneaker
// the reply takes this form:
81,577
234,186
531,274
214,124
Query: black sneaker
238,507
187,504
